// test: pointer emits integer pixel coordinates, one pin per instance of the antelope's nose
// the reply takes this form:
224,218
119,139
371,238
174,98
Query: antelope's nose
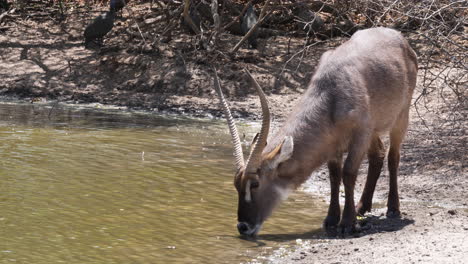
243,228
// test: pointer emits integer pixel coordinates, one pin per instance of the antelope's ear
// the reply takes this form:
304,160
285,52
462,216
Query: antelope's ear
281,153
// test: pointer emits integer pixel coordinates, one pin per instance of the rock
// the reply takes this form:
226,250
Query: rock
452,212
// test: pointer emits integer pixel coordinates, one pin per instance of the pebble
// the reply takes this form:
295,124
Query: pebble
452,212
151,20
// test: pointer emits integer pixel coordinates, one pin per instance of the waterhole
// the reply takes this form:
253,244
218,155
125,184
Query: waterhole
80,185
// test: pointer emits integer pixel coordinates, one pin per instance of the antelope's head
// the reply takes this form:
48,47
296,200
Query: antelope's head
257,183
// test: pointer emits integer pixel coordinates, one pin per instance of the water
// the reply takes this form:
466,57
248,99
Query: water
106,186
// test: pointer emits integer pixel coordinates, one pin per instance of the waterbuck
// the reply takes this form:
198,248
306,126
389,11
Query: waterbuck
359,91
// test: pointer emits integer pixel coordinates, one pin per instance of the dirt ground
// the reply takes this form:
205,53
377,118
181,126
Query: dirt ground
44,59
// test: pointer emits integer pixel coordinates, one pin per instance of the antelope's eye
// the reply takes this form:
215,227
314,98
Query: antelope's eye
254,184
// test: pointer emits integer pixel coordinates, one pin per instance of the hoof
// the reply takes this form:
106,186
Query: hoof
362,209
349,229
330,225
331,222
395,213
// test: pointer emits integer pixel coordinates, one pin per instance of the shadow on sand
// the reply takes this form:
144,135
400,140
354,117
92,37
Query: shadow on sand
368,226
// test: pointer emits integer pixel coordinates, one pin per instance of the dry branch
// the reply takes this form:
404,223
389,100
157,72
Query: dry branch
217,22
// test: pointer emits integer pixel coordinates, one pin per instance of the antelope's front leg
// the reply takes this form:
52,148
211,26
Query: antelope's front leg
333,217
356,152
348,222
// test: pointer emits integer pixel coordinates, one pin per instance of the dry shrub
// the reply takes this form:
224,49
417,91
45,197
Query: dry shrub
437,31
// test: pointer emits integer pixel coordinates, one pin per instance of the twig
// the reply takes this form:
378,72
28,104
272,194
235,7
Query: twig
263,15
308,36
51,109
138,27
217,22
386,10
299,52
239,16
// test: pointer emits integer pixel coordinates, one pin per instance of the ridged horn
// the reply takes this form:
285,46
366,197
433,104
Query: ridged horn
238,155
253,162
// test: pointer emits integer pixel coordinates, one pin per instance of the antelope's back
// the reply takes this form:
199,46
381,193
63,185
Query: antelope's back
375,72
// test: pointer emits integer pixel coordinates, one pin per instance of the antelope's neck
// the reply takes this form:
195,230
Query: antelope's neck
311,127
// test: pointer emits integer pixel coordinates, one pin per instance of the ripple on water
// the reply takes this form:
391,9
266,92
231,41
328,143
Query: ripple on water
84,186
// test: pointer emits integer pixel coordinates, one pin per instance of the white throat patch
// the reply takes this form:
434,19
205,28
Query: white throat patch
248,196
283,192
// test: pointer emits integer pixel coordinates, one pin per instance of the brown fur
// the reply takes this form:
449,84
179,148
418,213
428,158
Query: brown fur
359,91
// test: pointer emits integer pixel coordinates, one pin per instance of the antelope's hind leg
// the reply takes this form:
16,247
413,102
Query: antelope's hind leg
397,135
376,155
335,172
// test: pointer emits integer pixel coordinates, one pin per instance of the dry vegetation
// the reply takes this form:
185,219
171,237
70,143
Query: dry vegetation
291,33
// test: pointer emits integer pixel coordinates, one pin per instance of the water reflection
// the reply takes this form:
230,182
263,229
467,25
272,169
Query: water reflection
86,186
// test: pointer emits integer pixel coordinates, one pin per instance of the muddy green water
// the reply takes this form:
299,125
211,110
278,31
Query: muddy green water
106,186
